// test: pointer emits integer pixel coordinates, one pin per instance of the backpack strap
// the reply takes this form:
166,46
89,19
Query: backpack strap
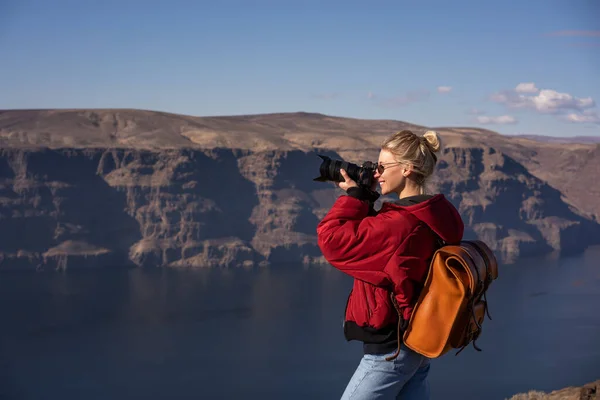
402,325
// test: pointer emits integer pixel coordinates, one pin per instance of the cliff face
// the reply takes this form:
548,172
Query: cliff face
176,203
82,208
509,208
112,207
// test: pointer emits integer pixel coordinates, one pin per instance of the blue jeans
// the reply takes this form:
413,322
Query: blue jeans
404,378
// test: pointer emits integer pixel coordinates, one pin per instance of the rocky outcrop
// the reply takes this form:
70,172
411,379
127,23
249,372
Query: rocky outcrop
590,391
509,208
94,188
64,208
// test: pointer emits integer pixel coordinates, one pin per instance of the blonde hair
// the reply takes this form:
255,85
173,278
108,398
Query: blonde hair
418,151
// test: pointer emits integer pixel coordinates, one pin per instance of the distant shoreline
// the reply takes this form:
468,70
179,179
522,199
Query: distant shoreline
591,139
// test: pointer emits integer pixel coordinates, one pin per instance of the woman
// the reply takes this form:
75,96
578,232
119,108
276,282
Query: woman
388,254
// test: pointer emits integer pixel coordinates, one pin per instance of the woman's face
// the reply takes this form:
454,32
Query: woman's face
390,173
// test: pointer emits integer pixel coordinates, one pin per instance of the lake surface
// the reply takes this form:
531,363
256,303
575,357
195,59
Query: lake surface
273,333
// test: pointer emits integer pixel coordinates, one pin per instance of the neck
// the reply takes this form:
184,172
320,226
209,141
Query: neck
410,189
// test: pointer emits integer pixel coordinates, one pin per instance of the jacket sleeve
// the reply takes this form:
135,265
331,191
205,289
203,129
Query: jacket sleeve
356,243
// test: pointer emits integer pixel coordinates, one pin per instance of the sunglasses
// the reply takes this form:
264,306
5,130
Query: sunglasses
382,167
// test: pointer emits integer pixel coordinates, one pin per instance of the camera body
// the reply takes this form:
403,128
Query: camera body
330,171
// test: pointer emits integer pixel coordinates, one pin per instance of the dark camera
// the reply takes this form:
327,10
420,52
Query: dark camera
362,175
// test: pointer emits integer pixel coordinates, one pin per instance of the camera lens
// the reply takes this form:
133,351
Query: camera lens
330,170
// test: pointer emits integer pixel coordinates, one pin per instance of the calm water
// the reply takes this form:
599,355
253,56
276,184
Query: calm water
272,334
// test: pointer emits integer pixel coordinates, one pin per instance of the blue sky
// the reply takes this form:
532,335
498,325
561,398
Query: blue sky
511,66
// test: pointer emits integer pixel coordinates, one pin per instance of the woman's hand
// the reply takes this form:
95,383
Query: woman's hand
348,182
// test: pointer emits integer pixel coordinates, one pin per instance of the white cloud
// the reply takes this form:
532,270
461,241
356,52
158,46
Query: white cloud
444,89
500,120
552,101
585,117
528,87
546,101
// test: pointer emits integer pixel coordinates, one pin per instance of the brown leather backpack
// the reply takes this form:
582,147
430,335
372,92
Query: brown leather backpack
452,304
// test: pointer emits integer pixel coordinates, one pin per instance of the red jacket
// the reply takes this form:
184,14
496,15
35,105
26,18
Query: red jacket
386,252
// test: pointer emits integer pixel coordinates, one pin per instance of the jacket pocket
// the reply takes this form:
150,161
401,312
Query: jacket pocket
370,302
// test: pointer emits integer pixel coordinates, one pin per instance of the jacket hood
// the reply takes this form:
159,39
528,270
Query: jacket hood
440,215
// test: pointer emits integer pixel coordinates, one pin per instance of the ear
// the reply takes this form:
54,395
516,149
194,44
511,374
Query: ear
407,171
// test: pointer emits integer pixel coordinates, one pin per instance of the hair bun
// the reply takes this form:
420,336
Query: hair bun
433,141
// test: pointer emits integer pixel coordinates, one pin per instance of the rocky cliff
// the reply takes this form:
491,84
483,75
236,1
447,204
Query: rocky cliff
590,391
85,188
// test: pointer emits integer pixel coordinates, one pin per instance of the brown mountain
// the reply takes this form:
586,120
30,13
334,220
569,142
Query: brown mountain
117,187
